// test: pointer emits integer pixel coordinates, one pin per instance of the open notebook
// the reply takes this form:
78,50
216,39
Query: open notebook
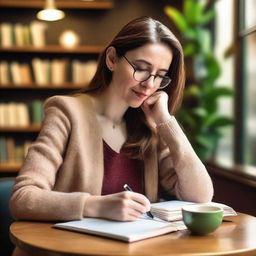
171,210
143,228
131,231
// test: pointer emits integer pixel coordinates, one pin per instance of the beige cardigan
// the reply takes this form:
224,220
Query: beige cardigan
65,164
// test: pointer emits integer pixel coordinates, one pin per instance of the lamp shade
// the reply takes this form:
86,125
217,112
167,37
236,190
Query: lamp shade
50,13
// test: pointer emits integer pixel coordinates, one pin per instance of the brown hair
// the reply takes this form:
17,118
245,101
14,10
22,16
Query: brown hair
135,34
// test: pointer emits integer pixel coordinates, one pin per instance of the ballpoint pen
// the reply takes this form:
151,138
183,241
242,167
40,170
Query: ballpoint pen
127,188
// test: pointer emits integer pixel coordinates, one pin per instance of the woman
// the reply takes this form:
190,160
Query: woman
120,129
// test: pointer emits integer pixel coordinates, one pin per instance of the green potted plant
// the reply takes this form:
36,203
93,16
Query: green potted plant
199,115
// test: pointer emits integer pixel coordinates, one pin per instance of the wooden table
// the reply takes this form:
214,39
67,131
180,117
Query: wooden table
236,236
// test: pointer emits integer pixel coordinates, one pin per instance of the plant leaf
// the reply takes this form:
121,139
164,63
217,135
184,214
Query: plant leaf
192,91
177,17
207,16
199,111
189,11
189,49
222,121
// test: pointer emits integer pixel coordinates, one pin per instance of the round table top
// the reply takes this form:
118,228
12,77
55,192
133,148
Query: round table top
235,236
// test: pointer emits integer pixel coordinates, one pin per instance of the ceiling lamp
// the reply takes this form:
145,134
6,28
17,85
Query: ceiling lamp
50,13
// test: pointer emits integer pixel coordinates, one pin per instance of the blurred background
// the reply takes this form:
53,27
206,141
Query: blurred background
40,58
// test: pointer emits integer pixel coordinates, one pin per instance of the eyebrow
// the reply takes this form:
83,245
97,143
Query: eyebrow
148,63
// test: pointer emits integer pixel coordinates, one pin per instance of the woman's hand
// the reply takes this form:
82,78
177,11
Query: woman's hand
156,107
123,206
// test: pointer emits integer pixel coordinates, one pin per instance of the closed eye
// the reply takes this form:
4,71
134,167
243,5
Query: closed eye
142,69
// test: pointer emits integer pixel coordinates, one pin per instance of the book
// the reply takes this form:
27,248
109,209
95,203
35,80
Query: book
131,231
6,31
18,34
3,150
36,112
4,73
171,210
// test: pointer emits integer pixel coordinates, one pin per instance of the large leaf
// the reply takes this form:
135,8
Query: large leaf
189,11
186,119
177,17
198,111
190,34
189,49
204,40
222,121
216,92
206,17
212,67
210,119
192,91
206,141
196,11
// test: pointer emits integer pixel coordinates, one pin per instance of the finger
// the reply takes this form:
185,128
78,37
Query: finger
141,201
152,99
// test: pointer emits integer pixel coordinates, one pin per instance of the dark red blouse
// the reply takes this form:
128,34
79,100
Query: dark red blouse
119,169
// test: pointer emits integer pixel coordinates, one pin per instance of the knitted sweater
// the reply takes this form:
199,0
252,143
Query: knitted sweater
65,164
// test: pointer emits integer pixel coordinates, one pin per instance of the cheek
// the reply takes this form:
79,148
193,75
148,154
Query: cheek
123,80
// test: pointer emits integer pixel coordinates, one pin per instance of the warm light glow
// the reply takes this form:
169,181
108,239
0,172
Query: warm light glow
69,39
50,13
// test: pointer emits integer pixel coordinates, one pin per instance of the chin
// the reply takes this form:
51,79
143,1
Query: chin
135,105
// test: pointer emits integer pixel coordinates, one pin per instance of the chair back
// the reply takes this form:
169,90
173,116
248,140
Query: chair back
6,246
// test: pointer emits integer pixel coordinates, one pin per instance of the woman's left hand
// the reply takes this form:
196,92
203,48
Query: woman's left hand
156,107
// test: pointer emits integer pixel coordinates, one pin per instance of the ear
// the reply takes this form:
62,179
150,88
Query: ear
111,58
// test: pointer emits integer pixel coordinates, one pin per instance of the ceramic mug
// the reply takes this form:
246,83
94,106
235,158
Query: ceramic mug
202,219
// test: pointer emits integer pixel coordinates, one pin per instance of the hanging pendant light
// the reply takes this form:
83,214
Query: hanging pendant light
50,13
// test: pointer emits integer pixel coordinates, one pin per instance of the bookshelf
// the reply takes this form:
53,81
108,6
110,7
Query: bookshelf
17,137
75,4
86,49
9,167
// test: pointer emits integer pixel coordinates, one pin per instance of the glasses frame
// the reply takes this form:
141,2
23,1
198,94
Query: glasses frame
156,75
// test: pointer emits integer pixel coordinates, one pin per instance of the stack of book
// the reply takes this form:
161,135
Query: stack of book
20,35
19,114
171,210
47,72
12,152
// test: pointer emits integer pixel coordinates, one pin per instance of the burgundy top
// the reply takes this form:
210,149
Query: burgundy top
119,169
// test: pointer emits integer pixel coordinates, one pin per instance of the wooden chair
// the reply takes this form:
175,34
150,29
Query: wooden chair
6,247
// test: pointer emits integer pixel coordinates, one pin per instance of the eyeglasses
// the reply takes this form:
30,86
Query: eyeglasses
142,75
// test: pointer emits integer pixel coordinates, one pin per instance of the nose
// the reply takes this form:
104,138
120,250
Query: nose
149,82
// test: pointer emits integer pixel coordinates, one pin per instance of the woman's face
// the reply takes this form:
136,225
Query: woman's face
155,58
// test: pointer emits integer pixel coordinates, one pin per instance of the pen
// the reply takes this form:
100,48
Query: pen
127,188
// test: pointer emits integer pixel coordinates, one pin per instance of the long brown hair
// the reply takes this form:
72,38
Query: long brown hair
138,32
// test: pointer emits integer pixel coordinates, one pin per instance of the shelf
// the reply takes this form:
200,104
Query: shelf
31,128
54,49
10,167
34,86
75,4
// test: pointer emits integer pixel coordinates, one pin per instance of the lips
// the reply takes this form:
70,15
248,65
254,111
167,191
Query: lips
140,95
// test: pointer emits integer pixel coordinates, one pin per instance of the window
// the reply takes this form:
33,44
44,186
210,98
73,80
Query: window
224,37
248,42
235,32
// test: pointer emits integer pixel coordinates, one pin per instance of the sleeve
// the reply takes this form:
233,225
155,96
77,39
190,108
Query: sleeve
33,196
181,172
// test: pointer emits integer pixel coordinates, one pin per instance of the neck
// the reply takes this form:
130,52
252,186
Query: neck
108,105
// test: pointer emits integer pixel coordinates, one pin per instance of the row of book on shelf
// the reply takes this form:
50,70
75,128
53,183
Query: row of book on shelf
46,72
20,114
18,34
11,151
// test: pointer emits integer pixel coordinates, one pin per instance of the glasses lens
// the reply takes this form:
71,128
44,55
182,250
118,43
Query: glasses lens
163,82
141,75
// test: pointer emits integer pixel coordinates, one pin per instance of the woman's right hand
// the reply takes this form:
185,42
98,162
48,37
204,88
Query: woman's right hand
123,206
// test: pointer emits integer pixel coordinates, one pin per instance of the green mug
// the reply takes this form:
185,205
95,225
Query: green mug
202,219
